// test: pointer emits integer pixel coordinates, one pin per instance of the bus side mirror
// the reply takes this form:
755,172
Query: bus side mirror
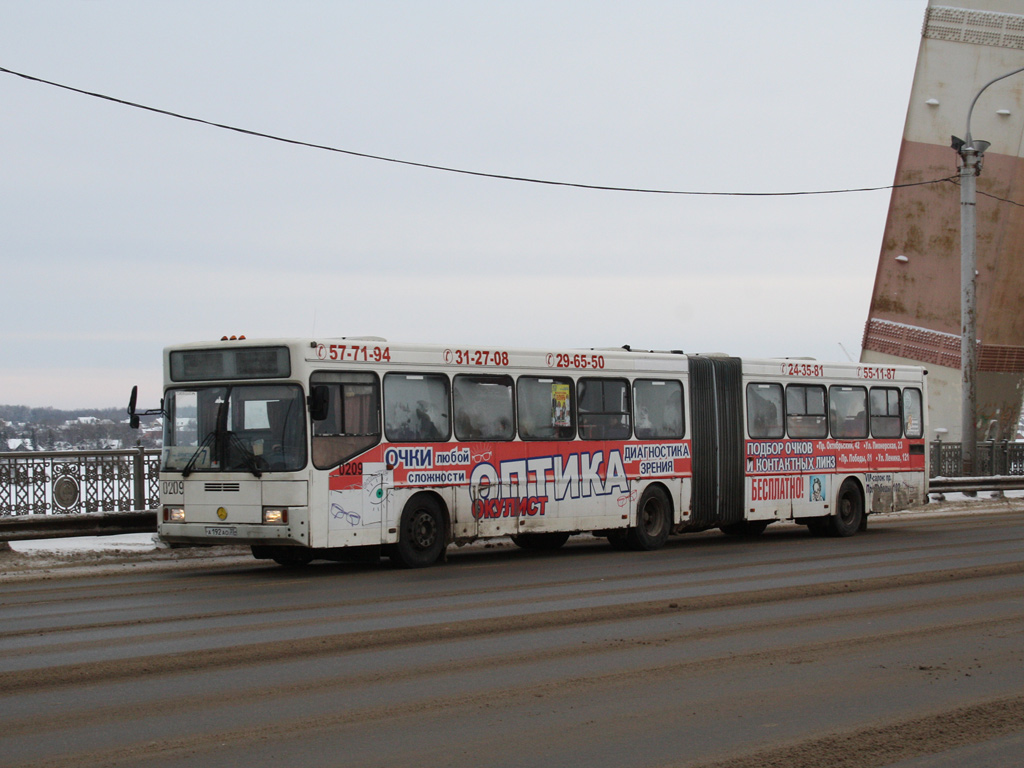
319,402
134,415
133,418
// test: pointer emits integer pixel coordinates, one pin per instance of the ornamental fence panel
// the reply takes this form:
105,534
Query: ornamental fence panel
991,459
74,482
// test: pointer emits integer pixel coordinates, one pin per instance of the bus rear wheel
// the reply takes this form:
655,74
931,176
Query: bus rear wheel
653,521
849,511
422,536
540,541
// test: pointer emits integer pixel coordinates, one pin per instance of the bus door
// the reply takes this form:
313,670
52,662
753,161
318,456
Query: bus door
537,510
378,484
716,408
360,512
496,499
605,423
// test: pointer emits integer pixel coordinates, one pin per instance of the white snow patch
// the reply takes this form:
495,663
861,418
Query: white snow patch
129,542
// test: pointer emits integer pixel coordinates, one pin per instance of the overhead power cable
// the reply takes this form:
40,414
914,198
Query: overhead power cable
448,169
956,182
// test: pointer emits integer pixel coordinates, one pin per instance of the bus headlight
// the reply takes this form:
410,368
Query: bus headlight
174,514
275,515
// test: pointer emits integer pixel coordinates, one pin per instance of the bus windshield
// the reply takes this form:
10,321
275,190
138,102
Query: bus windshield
235,428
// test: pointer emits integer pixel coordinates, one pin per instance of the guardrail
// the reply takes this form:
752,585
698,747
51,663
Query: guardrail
975,484
27,527
55,494
95,493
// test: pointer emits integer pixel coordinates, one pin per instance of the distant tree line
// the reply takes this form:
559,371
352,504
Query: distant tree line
52,429
52,417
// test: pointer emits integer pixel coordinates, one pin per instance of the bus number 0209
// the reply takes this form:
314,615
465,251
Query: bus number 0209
172,487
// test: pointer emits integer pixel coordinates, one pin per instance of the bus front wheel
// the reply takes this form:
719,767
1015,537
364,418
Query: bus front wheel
849,513
422,536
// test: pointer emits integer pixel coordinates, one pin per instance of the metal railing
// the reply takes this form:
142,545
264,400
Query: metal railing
76,482
991,459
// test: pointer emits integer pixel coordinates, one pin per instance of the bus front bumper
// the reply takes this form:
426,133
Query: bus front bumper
211,534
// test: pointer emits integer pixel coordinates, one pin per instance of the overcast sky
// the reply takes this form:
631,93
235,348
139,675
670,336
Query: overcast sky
124,231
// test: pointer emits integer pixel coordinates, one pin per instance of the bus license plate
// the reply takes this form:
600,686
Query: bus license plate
212,531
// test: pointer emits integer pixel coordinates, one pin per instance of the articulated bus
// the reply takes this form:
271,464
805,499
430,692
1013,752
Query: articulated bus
354,448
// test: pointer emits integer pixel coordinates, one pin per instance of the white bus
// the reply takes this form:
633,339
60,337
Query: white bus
356,447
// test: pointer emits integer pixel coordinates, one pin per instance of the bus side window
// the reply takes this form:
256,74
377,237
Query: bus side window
416,407
805,411
913,426
847,412
886,420
658,409
483,408
764,411
604,409
351,422
546,408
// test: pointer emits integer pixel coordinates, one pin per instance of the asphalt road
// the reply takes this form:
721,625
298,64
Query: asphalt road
903,646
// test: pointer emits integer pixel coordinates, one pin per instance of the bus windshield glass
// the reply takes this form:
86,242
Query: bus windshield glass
241,428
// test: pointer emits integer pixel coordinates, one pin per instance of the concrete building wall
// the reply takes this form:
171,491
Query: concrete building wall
915,308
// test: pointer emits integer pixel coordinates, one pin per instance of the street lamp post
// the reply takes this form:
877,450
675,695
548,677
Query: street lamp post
971,152
970,167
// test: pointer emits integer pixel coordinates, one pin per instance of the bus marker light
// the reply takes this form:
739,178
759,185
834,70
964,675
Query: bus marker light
174,514
275,515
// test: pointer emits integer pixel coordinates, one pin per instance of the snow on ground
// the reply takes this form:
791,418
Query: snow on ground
81,556
131,542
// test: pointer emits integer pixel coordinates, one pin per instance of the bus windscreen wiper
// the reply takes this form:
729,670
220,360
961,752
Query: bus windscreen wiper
248,457
191,463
